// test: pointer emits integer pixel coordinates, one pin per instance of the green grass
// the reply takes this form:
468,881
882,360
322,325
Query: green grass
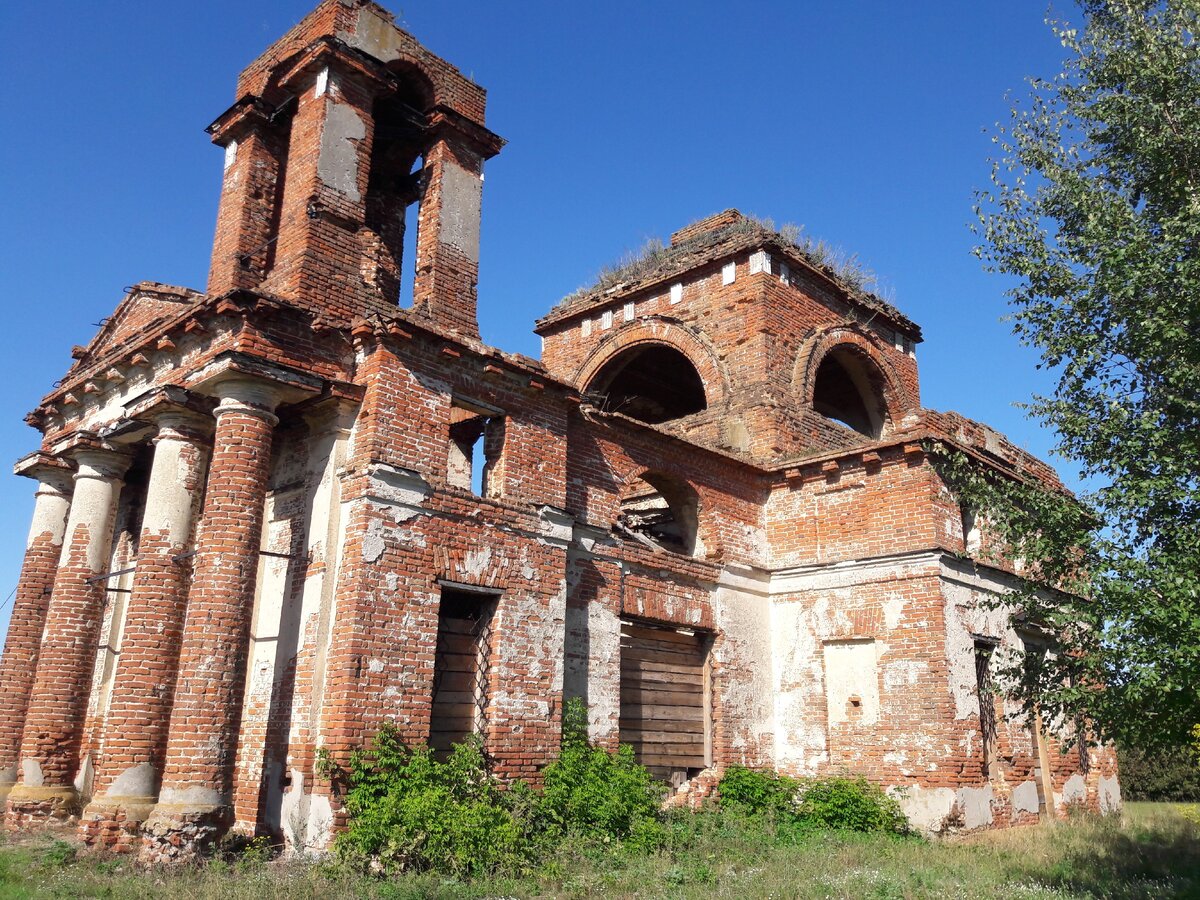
1152,852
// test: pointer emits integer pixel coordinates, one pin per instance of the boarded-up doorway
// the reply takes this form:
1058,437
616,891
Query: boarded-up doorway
460,668
665,698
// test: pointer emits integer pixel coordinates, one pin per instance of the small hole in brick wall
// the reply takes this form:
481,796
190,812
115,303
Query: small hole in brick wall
854,706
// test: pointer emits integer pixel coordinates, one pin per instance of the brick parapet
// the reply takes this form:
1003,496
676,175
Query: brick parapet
369,29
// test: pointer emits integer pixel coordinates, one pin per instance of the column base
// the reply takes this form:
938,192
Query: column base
114,823
29,806
178,833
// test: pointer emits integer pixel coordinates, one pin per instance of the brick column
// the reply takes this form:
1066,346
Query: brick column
447,264
254,150
42,550
195,803
49,757
139,709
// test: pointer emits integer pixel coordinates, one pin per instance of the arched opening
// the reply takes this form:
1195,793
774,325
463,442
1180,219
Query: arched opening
662,512
393,184
652,383
848,389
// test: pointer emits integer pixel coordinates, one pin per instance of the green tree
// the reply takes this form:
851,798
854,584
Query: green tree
1094,212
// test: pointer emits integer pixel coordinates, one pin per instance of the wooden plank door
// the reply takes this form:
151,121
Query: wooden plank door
664,698
460,670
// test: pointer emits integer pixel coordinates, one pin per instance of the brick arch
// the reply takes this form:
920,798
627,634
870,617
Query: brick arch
707,534
663,332
896,399
410,69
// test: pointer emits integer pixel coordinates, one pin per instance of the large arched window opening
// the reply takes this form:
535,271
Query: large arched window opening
652,383
663,512
848,388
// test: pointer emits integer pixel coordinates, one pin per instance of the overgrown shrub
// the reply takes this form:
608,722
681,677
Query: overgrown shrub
853,804
591,792
1171,775
412,812
759,790
409,811
843,802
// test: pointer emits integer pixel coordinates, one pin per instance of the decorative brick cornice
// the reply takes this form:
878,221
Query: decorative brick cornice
247,113
40,465
332,53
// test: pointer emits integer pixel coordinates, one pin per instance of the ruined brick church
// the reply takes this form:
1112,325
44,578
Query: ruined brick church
273,514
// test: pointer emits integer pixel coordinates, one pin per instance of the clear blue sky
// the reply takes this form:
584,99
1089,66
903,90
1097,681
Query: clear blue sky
861,120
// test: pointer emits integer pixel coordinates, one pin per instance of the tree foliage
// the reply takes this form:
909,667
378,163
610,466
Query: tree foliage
1094,212
1171,775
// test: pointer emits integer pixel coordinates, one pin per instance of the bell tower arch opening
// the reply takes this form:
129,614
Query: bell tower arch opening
849,388
652,383
395,183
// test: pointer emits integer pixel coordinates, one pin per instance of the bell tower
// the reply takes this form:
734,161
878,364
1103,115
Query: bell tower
347,133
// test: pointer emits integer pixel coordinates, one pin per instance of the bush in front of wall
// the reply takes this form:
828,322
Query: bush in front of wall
840,802
593,793
409,811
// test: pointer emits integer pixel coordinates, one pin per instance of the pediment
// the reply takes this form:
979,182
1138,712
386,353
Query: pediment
148,304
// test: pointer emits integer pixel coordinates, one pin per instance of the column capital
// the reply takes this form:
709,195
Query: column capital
183,425
100,463
172,407
334,414
52,472
248,395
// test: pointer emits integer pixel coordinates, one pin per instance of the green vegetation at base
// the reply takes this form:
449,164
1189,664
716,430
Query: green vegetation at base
798,806
1154,852
412,812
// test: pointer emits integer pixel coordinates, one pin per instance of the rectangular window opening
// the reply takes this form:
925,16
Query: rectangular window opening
461,668
985,691
476,450
666,698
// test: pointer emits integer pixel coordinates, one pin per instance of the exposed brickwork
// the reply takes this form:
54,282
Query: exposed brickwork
761,485
58,702
27,623
139,707
197,783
